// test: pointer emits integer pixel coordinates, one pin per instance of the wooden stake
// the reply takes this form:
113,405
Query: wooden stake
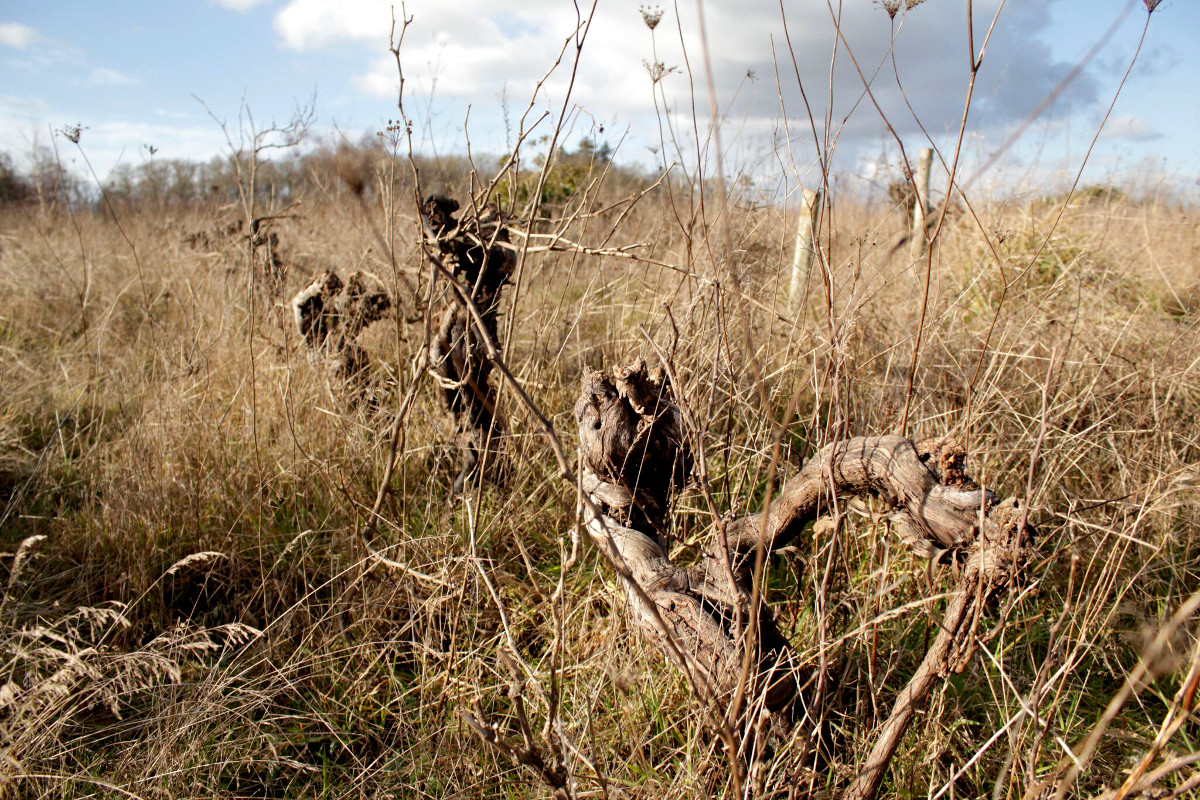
806,238
920,243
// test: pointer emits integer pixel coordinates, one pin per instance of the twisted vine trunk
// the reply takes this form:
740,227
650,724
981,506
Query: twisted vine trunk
330,315
633,457
475,250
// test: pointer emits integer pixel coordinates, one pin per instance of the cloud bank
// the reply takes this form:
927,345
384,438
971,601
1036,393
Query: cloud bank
471,53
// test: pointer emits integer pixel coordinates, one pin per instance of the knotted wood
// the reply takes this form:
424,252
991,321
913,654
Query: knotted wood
330,315
476,251
635,455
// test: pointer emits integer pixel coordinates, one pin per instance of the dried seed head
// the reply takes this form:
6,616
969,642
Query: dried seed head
1151,5
194,558
658,70
72,133
651,15
892,7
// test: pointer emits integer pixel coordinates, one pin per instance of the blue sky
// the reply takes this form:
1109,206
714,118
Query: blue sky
130,71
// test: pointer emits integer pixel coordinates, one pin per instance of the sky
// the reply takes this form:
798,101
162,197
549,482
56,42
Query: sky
155,80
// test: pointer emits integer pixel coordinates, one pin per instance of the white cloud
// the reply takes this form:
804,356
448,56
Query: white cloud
14,34
102,76
470,51
1131,128
120,140
240,5
26,124
308,24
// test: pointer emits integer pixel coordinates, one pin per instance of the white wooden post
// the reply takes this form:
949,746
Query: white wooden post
921,203
806,237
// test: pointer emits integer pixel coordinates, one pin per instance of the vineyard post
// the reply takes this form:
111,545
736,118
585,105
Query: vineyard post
920,243
806,239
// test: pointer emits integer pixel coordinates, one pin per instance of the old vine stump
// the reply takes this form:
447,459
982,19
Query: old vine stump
635,454
475,251
330,315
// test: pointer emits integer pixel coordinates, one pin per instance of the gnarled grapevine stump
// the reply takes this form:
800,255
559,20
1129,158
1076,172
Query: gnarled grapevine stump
634,455
331,315
475,250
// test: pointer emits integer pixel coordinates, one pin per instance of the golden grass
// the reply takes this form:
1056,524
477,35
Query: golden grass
155,412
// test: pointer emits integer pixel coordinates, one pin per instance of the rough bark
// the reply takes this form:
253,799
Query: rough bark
476,250
271,268
330,315
634,455
937,506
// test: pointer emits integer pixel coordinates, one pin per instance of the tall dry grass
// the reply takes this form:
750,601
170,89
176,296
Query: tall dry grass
161,409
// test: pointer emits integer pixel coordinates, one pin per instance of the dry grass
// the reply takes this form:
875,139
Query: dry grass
155,412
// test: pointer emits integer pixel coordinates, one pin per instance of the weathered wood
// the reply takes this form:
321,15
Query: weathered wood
920,242
806,245
330,315
933,514
476,251
634,455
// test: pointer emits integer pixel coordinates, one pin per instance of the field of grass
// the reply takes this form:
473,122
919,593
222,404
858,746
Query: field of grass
186,610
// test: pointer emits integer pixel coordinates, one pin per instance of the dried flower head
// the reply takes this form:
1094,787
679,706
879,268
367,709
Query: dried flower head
893,6
658,70
1151,5
651,15
72,133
